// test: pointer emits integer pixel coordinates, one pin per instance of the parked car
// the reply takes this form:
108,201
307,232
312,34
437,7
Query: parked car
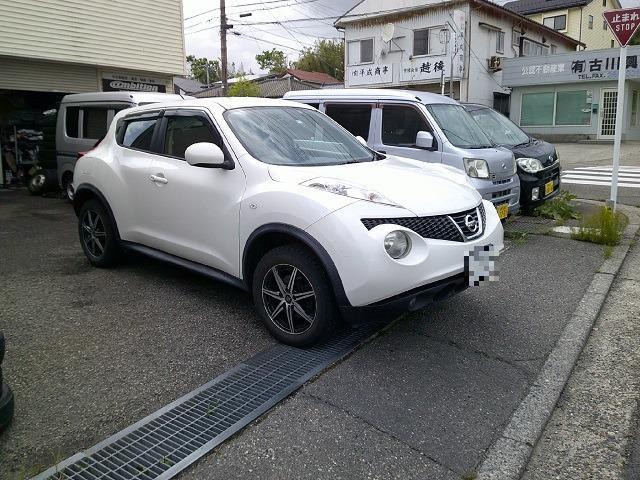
83,119
276,198
537,160
6,395
423,126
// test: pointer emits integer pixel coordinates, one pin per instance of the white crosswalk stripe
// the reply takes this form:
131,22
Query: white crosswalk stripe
628,177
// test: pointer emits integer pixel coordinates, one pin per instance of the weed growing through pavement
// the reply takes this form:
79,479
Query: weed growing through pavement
558,208
469,476
519,238
603,227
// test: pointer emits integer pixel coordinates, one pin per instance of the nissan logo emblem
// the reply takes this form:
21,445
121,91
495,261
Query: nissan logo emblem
471,223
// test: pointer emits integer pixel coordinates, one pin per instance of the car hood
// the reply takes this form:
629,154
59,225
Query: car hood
422,188
539,149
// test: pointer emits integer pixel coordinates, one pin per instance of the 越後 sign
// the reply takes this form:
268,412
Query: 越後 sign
370,74
113,82
623,23
587,65
429,68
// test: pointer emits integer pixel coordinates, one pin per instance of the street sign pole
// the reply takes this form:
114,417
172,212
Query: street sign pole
619,125
624,24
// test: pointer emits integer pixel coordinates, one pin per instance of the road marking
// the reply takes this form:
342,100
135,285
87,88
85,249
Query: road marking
628,177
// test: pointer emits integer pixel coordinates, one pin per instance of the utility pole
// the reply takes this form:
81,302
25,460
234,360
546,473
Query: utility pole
223,46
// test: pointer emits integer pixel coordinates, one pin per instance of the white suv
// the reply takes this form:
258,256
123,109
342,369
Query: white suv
276,198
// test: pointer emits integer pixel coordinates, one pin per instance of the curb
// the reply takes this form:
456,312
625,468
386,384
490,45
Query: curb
507,458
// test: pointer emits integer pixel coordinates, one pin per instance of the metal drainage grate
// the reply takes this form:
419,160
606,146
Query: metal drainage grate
167,441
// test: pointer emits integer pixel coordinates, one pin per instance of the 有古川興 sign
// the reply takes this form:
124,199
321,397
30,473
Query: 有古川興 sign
594,65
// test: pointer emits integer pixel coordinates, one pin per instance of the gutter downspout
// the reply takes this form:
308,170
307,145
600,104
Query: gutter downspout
579,34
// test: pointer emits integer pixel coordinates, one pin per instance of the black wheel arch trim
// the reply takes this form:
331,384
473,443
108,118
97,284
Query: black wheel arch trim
310,242
77,204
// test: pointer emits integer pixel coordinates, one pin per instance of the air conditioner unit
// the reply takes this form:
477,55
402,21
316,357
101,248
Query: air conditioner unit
495,63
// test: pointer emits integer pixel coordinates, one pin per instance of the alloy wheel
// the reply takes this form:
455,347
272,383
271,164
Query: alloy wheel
289,299
93,233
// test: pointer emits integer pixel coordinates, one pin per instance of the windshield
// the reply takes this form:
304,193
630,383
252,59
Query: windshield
499,128
295,136
458,126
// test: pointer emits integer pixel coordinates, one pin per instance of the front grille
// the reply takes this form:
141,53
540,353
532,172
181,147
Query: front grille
439,227
501,182
501,193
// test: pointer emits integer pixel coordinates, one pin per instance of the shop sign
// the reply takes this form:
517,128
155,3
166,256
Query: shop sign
594,65
118,82
429,68
370,74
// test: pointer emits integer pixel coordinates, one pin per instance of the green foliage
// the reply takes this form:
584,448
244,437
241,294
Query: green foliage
244,88
272,60
199,66
558,208
325,56
635,40
603,227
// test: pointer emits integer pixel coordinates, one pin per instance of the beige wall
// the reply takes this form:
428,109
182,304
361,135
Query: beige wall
140,35
577,17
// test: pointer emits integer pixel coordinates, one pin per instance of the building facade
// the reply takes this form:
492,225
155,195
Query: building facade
579,19
456,46
573,96
49,49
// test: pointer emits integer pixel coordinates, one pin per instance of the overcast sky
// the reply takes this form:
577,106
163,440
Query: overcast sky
202,33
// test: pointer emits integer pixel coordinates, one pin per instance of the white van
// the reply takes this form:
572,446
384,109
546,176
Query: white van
83,119
423,126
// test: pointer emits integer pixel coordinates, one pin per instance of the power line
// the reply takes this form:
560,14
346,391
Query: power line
249,5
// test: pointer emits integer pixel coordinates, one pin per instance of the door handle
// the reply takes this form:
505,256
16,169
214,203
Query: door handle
158,179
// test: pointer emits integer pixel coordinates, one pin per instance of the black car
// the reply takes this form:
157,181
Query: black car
538,164
6,396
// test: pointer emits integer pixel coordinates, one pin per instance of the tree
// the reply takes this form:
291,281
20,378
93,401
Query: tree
325,56
272,60
635,40
199,66
244,88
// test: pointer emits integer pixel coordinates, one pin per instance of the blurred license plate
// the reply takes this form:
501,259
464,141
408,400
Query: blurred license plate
548,188
503,210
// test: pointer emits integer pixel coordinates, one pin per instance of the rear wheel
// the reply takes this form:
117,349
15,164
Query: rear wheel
97,234
293,296
67,186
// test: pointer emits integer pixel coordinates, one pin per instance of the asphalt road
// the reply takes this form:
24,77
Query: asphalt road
91,351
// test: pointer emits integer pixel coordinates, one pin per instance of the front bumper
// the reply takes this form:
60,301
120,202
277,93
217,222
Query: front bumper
373,281
500,191
529,181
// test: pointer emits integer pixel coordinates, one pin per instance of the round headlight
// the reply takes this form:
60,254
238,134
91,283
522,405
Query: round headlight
397,244
530,165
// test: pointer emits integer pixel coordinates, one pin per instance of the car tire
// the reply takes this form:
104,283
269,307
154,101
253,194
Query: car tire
67,186
299,313
98,234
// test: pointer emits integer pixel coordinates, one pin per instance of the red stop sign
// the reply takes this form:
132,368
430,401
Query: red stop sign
623,23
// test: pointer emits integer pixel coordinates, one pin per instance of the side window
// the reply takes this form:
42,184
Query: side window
138,133
355,118
183,132
94,124
71,121
401,124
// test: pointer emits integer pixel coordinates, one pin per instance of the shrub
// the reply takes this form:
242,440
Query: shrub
604,227
558,208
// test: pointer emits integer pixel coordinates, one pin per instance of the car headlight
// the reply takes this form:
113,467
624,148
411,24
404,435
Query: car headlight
340,187
397,244
530,165
476,167
515,165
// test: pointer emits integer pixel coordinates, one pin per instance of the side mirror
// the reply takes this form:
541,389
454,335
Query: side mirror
362,140
205,154
424,140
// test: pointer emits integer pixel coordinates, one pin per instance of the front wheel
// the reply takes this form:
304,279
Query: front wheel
293,296
97,234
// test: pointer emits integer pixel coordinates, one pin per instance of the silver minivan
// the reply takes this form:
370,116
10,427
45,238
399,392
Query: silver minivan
423,126
83,119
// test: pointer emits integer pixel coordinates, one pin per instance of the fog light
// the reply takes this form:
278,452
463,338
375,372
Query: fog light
535,193
397,244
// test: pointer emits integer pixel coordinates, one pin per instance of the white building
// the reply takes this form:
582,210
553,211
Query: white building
414,44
